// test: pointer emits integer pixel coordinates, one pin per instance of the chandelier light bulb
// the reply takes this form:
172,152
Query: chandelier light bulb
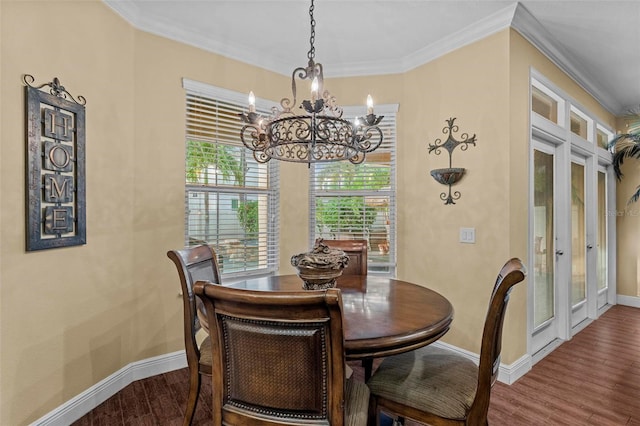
314,89
369,105
252,102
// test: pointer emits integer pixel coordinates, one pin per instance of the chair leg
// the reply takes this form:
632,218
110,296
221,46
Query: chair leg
194,391
367,364
373,412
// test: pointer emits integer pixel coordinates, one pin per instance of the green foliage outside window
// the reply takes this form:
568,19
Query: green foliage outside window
248,216
202,155
349,213
627,145
345,214
354,177
231,166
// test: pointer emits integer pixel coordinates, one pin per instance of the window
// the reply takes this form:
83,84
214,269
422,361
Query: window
231,200
546,103
581,124
603,137
358,201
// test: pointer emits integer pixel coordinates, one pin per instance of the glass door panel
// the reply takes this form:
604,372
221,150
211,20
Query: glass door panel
578,243
544,297
543,231
602,271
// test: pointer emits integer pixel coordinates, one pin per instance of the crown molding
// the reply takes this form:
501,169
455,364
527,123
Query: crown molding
532,30
128,10
479,30
515,16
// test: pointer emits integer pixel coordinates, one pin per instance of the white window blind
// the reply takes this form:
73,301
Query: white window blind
358,201
231,200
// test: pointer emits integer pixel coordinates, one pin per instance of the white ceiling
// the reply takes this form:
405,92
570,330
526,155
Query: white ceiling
596,42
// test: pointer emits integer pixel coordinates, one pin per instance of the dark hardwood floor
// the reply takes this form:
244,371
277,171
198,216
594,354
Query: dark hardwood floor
594,379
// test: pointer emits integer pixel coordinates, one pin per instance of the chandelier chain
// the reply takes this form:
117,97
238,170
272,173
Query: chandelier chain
312,50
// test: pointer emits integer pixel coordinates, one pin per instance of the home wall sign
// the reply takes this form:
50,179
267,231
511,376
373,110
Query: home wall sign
56,198
450,175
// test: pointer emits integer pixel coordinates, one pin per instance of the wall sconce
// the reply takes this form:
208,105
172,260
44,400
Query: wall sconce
450,175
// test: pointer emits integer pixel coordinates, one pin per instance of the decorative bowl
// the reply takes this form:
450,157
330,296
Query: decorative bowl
320,267
448,176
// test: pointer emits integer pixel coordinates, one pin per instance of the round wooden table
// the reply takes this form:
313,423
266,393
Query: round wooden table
382,316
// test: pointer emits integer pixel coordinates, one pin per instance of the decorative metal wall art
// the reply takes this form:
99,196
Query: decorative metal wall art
450,175
56,199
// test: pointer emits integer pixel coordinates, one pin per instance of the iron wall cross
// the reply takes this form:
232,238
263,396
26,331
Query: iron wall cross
450,175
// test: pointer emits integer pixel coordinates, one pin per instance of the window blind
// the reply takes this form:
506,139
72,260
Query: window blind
358,201
231,200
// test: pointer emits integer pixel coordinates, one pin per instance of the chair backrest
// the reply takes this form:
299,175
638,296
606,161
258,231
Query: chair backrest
193,264
357,252
511,274
278,357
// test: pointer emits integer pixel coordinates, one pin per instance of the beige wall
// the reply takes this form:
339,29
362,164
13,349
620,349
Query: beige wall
158,171
628,224
428,249
71,317
68,315
468,84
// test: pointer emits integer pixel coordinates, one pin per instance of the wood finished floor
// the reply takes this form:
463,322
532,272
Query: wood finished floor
594,379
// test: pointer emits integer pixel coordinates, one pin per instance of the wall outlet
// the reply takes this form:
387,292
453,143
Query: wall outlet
468,235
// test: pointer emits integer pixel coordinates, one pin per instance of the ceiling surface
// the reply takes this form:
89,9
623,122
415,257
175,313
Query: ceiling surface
596,42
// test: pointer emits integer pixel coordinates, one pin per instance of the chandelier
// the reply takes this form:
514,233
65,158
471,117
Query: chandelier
318,133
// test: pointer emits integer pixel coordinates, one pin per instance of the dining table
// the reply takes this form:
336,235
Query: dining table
381,316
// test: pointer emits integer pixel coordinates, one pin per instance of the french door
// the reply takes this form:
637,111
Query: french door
602,239
590,241
570,242
571,231
546,321
578,218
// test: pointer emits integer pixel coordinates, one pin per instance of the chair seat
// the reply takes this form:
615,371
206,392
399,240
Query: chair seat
205,356
357,402
428,379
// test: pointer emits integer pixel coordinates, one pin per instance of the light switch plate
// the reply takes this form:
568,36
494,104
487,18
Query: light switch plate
468,235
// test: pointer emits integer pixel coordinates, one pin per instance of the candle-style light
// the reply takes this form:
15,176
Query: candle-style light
314,90
252,102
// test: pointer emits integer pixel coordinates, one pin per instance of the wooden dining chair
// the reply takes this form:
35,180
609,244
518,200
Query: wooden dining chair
193,264
439,387
278,358
357,252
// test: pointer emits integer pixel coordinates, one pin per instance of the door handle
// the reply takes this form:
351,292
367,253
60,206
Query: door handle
559,252
589,246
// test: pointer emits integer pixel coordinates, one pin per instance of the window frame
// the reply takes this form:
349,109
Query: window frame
389,123
560,102
270,246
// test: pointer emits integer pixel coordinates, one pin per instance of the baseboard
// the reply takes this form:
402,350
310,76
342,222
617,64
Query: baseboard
546,350
632,301
80,405
507,374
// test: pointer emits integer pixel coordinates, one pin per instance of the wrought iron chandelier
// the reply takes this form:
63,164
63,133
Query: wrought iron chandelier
319,134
